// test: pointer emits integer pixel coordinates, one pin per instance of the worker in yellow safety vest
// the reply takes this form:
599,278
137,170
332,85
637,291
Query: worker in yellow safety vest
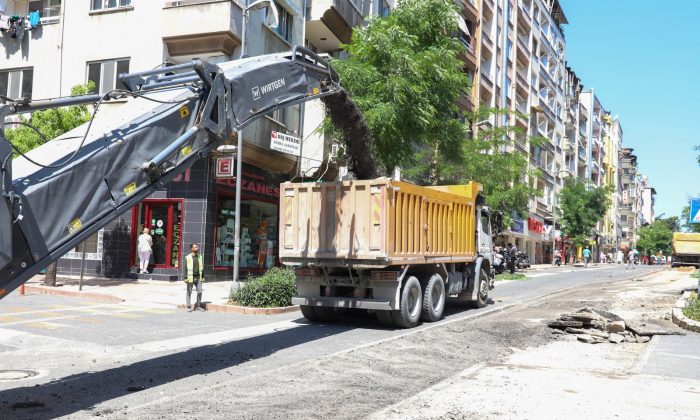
194,276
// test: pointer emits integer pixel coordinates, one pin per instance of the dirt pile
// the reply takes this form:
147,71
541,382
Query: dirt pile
597,326
347,117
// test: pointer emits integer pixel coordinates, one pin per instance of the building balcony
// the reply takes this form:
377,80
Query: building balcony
468,56
486,78
469,9
330,23
465,102
486,40
221,34
523,44
488,4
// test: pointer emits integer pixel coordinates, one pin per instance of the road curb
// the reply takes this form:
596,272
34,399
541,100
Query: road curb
680,319
97,297
245,310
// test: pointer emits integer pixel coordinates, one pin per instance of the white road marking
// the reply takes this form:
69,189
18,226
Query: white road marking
80,315
216,337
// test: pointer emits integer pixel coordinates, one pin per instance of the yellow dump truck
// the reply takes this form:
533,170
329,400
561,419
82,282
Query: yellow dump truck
686,249
389,247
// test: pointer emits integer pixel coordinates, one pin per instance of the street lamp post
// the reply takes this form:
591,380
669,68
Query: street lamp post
257,5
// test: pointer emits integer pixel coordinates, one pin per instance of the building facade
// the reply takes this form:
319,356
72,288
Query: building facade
96,40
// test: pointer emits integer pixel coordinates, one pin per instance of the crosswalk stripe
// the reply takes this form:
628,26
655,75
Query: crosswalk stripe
6,319
44,325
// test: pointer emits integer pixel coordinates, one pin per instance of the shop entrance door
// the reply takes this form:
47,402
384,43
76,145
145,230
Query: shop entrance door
163,219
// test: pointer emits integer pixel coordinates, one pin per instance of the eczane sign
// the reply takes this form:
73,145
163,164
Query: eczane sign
224,167
285,143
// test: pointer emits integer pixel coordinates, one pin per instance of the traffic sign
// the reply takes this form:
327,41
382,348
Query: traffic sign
695,210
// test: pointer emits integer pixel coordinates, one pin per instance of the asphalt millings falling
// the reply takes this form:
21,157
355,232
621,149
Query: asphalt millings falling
347,117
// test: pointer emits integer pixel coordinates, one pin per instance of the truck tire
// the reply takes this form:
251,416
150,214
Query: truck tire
482,293
385,318
308,312
433,298
411,305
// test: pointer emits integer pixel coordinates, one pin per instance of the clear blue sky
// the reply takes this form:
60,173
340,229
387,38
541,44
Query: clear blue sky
643,59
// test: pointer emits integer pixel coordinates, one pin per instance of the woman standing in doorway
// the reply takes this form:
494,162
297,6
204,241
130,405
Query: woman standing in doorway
145,242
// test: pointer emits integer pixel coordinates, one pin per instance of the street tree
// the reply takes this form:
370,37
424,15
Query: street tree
51,123
655,237
581,208
404,73
490,158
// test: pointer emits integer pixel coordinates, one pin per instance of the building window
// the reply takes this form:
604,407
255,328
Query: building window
286,22
46,8
16,84
90,245
104,74
623,218
384,8
108,4
258,233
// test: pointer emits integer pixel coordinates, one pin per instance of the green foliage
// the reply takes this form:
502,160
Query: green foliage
655,237
685,221
508,276
692,308
404,73
51,122
582,207
489,159
274,289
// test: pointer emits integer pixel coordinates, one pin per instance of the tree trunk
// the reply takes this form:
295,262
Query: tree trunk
50,278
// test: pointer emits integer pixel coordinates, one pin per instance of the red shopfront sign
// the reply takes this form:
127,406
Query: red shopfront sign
224,167
535,225
255,185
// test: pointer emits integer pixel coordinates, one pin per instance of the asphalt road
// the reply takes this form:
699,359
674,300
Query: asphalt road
85,354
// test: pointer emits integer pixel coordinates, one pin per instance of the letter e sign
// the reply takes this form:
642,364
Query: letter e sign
224,167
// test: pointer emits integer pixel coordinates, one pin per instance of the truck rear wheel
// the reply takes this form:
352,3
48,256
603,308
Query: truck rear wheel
411,304
433,298
308,312
482,293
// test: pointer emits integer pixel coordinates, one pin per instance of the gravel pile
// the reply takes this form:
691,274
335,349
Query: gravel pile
595,326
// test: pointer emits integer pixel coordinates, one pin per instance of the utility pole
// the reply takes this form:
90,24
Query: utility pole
260,4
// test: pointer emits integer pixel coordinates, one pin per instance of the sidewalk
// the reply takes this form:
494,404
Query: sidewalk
151,293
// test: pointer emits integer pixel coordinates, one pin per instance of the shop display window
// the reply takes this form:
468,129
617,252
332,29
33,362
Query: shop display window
258,234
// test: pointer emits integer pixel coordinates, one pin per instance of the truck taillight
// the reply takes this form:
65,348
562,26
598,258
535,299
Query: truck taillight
307,272
385,275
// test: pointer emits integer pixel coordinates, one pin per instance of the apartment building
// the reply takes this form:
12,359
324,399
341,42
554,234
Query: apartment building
648,201
630,208
95,40
612,142
516,59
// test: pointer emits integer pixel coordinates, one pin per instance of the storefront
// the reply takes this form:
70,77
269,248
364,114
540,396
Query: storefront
535,227
259,221
196,207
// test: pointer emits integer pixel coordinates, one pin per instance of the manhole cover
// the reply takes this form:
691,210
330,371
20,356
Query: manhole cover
15,375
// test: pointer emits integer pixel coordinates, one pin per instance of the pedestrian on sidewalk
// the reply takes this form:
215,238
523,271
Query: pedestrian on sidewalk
194,276
631,256
145,244
586,257
512,257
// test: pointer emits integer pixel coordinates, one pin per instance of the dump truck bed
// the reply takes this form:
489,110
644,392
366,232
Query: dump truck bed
376,223
686,243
